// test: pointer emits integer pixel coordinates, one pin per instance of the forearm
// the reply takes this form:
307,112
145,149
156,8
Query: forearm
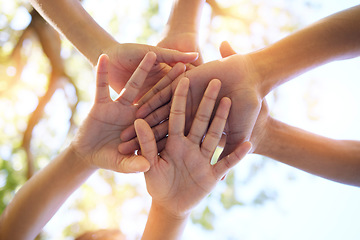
39,199
185,15
333,38
337,160
71,19
163,225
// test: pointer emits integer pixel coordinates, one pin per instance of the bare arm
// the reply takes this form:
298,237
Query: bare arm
185,15
337,160
72,20
182,29
335,37
162,224
40,198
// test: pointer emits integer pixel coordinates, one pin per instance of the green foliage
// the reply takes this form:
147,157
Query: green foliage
228,196
149,30
11,179
205,219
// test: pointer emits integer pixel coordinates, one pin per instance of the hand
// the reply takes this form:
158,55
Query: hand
182,175
240,83
125,58
183,42
259,132
97,139
182,29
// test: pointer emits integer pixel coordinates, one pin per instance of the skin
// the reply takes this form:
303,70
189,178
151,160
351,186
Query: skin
182,175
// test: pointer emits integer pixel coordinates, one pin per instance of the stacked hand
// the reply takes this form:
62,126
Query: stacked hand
97,140
125,58
239,82
182,174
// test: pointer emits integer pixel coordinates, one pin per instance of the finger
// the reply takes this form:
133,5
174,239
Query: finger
132,164
160,131
102,94
146,140
226,50
178,69
159,99
128,134
165,55
178,107
152,119
129,147
226,163
213,136
204,112
134,84
160,144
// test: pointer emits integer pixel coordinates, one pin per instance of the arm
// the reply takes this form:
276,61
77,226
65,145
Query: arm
70,18
40,198
78,26
335,37
182,30
336,160
182,175
162,224
94,146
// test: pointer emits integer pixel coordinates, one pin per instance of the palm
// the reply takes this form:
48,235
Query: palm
101,132
168,180
182,175
98,138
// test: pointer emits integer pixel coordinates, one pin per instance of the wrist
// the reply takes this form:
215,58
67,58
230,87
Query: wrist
177,25
168,214
163,224
268,138
247,74
81,159
263,66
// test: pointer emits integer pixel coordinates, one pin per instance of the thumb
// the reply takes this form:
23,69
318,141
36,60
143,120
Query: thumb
165,55
226,50
132,164
146,140
226,163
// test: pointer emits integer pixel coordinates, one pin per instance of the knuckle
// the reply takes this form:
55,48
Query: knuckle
134,84
213,134
203,118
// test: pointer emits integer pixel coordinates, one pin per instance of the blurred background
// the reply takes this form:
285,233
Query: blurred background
47,88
